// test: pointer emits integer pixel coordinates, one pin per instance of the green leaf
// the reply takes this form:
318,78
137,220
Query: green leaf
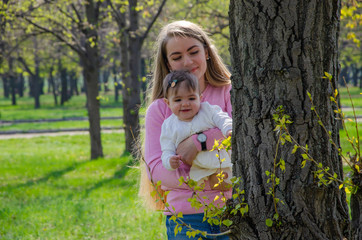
295,149
227,222
309,95
269,222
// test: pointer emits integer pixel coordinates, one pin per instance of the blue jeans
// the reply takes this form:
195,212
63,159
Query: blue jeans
195,220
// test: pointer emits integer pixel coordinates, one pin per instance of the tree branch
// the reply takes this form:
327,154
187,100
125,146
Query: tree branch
152,21
76,48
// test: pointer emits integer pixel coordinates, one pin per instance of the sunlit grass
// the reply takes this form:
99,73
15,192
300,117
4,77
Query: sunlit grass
51,190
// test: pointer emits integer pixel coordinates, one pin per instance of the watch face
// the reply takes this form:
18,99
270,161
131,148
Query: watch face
201,137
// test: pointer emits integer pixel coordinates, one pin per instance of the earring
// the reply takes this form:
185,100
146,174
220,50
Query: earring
208,58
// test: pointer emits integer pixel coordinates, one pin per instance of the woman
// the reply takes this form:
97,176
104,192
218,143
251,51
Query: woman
183,45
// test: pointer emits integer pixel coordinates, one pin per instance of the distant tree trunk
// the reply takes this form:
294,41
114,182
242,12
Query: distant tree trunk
21,85
343,78
64,83
354,71
73,83
106,74
36,91
6,86
91,65
52,85
280,50
12,81
131,90
117,85
131,40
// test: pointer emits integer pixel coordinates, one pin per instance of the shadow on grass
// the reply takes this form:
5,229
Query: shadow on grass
119,174
52,175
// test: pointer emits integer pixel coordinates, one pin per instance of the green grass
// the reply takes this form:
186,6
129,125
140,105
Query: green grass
58,125
75,107
50,190
355,95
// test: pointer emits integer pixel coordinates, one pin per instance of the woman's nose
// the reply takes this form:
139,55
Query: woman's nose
187,61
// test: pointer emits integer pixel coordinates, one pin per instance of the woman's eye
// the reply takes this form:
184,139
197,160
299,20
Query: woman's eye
195,52
176,58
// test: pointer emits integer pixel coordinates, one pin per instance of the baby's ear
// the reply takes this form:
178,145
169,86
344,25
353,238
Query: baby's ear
201,96
166,101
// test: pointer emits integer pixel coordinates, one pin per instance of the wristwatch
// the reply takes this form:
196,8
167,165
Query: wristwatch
201,137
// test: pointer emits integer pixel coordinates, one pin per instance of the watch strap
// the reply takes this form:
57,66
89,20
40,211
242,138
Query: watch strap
203,146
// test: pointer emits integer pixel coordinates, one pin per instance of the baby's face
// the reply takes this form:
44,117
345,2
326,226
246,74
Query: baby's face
185,104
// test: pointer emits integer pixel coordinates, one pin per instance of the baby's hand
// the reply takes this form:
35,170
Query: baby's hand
175,161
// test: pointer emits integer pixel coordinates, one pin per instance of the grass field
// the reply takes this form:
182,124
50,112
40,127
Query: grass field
50,190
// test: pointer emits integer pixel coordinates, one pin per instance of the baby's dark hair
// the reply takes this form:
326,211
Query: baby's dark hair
173,80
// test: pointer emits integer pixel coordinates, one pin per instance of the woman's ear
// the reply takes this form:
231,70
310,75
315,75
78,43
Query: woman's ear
207,53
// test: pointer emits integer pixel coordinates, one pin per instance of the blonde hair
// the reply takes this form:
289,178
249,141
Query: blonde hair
216,74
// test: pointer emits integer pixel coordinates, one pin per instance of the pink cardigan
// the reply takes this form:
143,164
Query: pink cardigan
157,112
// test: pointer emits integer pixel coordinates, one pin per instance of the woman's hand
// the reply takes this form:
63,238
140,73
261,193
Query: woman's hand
187,150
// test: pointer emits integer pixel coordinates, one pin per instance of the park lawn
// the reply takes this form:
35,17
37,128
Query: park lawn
49,189
75,107
74,124
355,94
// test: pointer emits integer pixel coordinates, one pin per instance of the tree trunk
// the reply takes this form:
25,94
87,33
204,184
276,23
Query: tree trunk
73,83
12,81
131,90
91,65
52,85
36,91
64,83
21,85
6,87
91,78
280,50
106,74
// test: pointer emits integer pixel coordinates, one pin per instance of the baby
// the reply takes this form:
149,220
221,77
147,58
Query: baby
189,117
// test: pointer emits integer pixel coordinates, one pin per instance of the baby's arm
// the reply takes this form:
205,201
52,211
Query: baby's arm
168,148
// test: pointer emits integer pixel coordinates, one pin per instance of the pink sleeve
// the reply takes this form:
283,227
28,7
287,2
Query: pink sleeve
214,133
154,119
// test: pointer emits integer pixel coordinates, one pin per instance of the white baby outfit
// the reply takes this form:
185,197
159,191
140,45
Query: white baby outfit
174,131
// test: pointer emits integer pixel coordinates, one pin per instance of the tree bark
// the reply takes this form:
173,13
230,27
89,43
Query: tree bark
91,65
280,50
13,81
131,90
52,85
64,83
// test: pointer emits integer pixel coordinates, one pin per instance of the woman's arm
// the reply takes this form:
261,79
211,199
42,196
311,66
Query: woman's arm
154,119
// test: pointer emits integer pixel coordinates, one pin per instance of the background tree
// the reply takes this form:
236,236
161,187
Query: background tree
77,26
350,43
280,50
132,35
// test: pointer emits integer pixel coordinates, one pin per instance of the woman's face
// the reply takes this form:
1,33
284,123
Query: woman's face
186,53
